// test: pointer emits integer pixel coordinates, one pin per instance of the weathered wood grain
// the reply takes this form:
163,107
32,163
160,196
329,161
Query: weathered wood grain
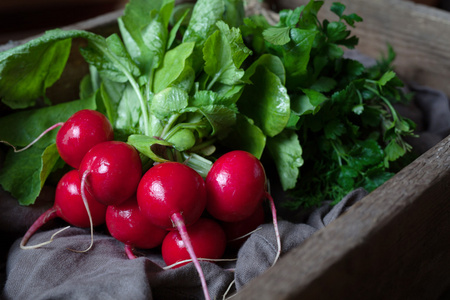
419,34
394,244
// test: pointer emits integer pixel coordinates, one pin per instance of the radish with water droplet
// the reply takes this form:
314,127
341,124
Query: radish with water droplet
172,195
207,237
70,207
126,223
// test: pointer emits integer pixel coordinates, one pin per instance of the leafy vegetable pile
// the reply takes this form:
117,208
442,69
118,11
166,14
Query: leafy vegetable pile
187,82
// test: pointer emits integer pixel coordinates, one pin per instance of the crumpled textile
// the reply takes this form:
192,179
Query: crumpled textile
105,272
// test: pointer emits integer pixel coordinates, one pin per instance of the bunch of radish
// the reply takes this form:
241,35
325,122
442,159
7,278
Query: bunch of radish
169,205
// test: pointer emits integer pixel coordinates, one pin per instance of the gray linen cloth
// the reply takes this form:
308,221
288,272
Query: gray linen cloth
105,272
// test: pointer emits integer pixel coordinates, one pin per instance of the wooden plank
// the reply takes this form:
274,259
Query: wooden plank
394,244
418,33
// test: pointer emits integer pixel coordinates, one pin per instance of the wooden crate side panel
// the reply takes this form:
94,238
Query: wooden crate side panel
393,244
419,34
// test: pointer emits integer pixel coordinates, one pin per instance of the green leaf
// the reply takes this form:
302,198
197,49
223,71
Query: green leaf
168,102
266,102
393,151
23,174
277,35
144,29
233,36
224,53
386,78
246,136
26,71
271,62
129,118
174,63
145,145
338,8
334,129
110,58
220,117
205,15
183,139
337,31
286,152
296,54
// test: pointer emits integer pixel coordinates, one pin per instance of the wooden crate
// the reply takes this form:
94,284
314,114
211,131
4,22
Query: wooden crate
395,243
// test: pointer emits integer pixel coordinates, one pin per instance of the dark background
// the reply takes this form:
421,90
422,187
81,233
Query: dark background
24,18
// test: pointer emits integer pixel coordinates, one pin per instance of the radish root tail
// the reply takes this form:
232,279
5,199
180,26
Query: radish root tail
129,251
44,218
23,246
86,204
177,219
36,140
275,226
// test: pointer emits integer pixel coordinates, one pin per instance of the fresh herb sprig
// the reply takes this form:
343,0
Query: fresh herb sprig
341,112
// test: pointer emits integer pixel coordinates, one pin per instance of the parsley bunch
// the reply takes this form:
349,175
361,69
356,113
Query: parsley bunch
342,113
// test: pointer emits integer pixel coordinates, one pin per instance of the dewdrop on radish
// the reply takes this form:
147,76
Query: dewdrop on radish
236,184
126,224
77,135
172,195
207,237
68,206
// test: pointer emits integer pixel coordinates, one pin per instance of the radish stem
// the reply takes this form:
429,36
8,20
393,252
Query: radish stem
91,224
50,214
179,223
36,140
275,226
129,251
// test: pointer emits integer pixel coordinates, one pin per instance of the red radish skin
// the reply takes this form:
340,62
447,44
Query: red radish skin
80,133
69,206
169,188
207,237
172,195
236,185
237,232
111,172
126,223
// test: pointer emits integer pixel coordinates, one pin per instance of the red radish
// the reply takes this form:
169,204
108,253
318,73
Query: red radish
207,237
111,172
237,232
77,135
169,188
70,207
172,195
80,133
126,223
236,184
